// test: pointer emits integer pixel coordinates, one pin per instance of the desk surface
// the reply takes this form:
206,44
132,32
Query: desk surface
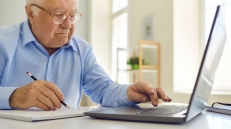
208,120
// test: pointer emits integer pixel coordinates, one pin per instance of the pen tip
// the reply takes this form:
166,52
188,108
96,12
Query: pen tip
27,72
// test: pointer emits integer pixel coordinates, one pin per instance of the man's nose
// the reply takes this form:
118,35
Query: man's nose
66,24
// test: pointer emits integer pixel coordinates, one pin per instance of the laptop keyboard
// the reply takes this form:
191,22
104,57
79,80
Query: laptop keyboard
162,110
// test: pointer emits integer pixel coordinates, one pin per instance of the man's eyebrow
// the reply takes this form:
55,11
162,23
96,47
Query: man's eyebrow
57,9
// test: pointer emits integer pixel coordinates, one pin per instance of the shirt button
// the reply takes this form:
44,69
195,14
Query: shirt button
48,79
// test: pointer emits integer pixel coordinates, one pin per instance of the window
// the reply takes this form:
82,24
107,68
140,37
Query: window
119,35
222,84
118,5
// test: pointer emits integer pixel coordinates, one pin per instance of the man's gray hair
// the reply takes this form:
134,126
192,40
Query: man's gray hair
39,2
29,2
34,9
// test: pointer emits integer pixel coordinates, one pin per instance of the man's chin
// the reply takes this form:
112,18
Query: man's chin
63,43
60,45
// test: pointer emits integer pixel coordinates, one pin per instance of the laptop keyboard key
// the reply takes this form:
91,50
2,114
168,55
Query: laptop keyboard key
162,110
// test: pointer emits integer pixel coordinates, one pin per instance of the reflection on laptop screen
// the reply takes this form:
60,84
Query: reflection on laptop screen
209,64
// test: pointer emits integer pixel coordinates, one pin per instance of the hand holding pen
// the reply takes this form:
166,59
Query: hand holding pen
64,104
41,94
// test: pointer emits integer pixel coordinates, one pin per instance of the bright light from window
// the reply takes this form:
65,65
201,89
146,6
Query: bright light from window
119,4
212,3
222,82
227,12
119,40
120,30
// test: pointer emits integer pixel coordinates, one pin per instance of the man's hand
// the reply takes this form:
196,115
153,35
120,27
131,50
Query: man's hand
143,92
40,94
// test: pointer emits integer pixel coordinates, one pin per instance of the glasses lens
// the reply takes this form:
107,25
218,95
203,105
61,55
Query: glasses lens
78,17
75,18
60,18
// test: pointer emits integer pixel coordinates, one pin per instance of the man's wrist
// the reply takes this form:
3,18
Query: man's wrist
124,97
11,99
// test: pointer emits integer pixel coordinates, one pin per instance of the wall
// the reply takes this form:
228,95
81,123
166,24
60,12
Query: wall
100,33
82,28
187,41
12,12
162,12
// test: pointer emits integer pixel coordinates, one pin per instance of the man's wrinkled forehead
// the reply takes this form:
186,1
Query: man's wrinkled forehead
61,5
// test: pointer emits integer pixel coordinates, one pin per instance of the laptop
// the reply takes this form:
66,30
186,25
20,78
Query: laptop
171,113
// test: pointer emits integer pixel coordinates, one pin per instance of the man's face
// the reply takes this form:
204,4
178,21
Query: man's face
47,33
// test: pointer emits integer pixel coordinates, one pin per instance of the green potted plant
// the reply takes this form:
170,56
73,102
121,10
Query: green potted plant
134,62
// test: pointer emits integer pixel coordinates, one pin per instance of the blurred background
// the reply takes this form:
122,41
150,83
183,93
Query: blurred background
157,41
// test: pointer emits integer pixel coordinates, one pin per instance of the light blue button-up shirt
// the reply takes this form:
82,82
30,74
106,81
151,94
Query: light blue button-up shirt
72,68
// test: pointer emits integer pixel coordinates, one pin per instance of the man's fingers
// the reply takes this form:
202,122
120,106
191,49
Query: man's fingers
45,100
28,96
55,89
143,92
148,90
154,98
140,97
144,88
41,105
169,99
51,95
162,95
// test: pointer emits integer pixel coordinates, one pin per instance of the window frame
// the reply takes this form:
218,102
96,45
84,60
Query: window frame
115,15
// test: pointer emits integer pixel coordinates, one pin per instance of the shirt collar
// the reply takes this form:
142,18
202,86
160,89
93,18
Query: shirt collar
28,37
73,45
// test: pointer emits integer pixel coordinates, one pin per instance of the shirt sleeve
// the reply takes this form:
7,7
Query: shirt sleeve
5,93
99,87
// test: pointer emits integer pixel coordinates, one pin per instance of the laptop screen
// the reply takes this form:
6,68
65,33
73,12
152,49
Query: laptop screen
209,64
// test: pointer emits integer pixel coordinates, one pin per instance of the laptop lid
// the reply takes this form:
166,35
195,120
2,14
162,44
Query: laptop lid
208,67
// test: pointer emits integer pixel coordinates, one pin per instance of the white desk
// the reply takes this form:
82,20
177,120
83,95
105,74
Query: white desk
203,121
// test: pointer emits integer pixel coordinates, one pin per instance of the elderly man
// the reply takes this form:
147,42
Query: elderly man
44,45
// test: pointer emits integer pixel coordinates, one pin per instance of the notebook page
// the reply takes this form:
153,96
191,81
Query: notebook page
37,114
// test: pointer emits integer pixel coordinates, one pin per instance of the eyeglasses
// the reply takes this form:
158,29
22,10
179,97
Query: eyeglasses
59,18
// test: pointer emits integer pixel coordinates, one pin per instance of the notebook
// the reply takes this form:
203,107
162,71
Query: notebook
35,114
172,113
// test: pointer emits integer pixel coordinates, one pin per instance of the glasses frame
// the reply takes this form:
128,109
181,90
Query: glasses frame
53,14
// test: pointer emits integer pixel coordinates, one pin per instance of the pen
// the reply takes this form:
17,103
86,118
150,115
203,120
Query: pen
36,79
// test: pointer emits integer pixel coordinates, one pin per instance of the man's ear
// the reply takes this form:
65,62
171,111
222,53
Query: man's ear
29,14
